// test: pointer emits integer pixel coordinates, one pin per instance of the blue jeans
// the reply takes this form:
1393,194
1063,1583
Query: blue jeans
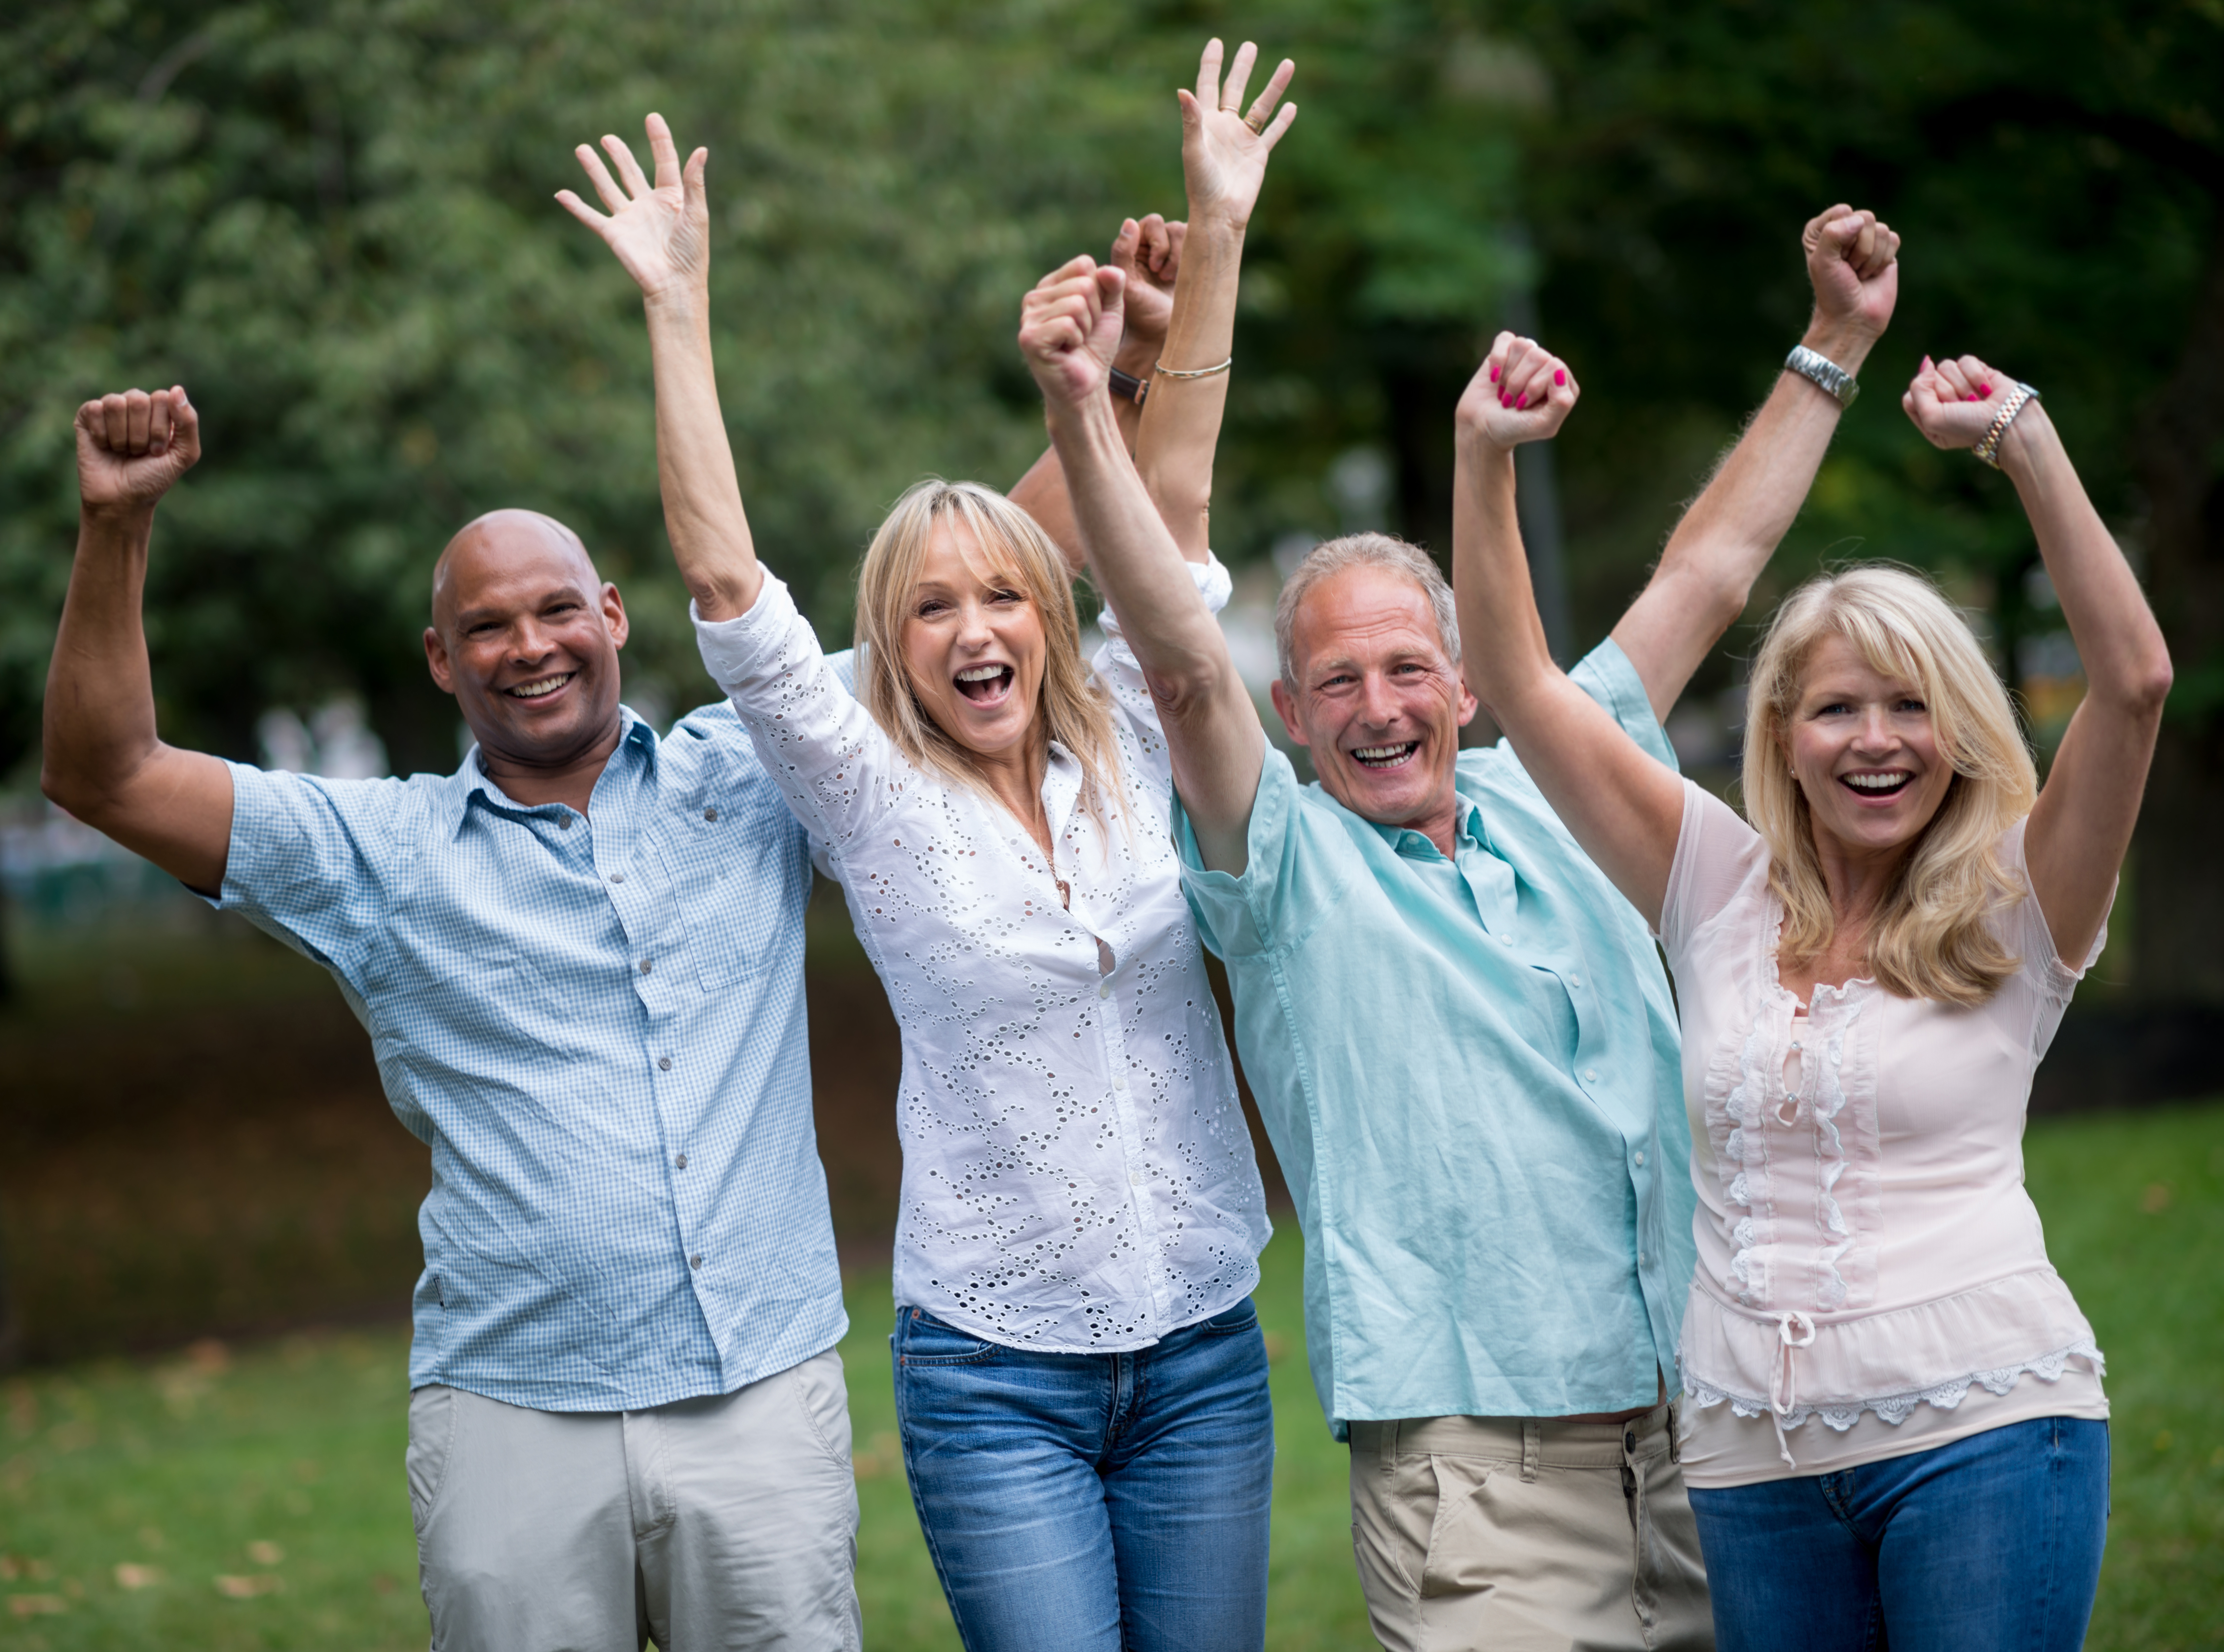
1990,1542
1087,1501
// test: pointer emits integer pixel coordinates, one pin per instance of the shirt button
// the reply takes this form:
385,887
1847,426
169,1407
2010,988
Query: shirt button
1103,989
1590,1074
1640,1259
1640,1152
1507,939
709,814
1134,1178
679,1163
1575,980
646,964
1119,1080
694,1261
664,1065
617,877
564,824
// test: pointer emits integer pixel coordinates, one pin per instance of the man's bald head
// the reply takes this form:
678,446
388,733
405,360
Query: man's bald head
504,540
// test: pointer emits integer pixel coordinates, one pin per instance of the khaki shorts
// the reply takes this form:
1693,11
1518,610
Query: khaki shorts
1531,1536
726,1522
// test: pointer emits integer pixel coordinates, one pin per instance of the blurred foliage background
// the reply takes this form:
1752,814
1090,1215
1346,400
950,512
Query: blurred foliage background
331,220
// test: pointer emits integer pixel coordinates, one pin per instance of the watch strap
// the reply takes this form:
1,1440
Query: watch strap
1128,386
1823,373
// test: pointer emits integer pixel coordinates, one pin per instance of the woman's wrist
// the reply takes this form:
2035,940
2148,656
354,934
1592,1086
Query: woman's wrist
2029,441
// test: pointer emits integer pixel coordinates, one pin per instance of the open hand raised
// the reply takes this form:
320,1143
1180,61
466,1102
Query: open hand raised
660,232
1224,147
131,447
1070,328
1853,260
1521,392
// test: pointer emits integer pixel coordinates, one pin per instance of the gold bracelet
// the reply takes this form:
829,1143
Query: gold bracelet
1191,372
1988,445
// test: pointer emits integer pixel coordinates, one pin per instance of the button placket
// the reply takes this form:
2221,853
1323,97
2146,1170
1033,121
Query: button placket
1122,1095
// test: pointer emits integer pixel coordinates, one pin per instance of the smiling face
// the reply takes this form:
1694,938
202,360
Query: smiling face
527,638
974,645
1377,701
1862,745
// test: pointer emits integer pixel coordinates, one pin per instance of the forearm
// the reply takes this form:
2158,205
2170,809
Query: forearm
703,513
1131,551
1041,492
1502,639
1181,421
2118,643
99,717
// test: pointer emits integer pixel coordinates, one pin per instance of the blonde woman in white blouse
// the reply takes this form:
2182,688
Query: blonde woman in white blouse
1081,1381
1896,1430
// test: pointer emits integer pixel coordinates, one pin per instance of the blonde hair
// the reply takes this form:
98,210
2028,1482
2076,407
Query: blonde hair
1931,937
1071,708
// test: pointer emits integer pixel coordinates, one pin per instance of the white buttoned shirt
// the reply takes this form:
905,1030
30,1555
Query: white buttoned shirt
1078,1176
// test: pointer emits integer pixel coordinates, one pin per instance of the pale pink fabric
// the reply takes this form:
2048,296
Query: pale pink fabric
1864,1241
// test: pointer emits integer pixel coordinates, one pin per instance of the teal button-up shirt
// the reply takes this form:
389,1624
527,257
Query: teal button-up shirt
1468,1068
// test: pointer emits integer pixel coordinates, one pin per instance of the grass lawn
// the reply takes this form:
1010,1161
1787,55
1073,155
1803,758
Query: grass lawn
252,1498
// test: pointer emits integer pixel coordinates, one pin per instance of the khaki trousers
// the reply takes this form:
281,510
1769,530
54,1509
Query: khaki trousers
1532,1534
729,1521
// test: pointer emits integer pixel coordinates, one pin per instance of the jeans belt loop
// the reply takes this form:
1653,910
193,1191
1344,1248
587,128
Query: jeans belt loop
1532,1447
1388,1451
1675,1431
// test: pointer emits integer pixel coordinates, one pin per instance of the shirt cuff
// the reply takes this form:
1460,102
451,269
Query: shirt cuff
1214,583
732,648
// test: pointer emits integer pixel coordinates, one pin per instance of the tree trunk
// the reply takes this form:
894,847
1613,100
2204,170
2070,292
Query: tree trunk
2179,937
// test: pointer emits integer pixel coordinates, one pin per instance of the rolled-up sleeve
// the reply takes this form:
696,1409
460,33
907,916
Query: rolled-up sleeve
1607,676
1267,906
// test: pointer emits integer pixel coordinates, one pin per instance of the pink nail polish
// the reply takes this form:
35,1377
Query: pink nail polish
1494,372
1983,391
1524,399
1559,375
1504,400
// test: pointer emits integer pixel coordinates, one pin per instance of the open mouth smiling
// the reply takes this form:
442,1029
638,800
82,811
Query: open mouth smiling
1877,783
985,684
539,687
1385,757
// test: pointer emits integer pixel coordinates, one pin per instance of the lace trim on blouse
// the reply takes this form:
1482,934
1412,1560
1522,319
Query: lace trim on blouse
1896,1409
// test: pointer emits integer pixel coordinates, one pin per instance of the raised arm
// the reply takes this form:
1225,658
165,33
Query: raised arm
660,233
1732,529
1224,153
1625,809
103,761
1070,325
2082,823
1147,251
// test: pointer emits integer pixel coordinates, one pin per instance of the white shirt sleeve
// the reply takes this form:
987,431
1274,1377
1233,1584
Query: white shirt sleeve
836,767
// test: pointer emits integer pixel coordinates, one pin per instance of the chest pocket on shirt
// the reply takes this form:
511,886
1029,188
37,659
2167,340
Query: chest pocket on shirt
737,868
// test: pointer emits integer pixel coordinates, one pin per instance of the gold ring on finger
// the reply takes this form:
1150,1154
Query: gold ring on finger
1258,126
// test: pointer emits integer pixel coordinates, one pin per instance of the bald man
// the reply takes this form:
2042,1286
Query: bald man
579,958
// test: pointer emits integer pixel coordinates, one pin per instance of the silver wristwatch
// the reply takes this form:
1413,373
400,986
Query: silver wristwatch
1824,373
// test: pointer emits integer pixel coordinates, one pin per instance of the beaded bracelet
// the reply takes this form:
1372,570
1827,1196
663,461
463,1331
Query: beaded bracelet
1988,447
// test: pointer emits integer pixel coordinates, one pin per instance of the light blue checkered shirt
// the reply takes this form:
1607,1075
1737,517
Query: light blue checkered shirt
597,1024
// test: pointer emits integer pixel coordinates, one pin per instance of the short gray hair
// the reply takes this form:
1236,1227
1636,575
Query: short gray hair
1332,557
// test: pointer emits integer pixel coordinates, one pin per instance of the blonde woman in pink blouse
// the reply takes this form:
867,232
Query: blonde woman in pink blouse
1894,1427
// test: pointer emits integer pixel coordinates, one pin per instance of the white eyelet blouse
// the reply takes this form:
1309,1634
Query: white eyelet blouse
1869,1258
1077,1174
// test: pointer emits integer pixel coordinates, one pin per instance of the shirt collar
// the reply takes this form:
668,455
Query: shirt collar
1404,840
637,744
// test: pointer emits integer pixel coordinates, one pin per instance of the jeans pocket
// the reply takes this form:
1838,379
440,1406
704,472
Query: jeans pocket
1231,1321
923,1339
432,1413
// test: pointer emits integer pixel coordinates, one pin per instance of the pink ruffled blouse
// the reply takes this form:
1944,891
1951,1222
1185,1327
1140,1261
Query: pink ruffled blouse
1867,1254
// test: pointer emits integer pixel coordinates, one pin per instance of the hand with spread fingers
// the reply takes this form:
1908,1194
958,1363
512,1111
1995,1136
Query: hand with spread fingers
132,447
1224,145
659,232
1070,328
1521,392
1954,402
